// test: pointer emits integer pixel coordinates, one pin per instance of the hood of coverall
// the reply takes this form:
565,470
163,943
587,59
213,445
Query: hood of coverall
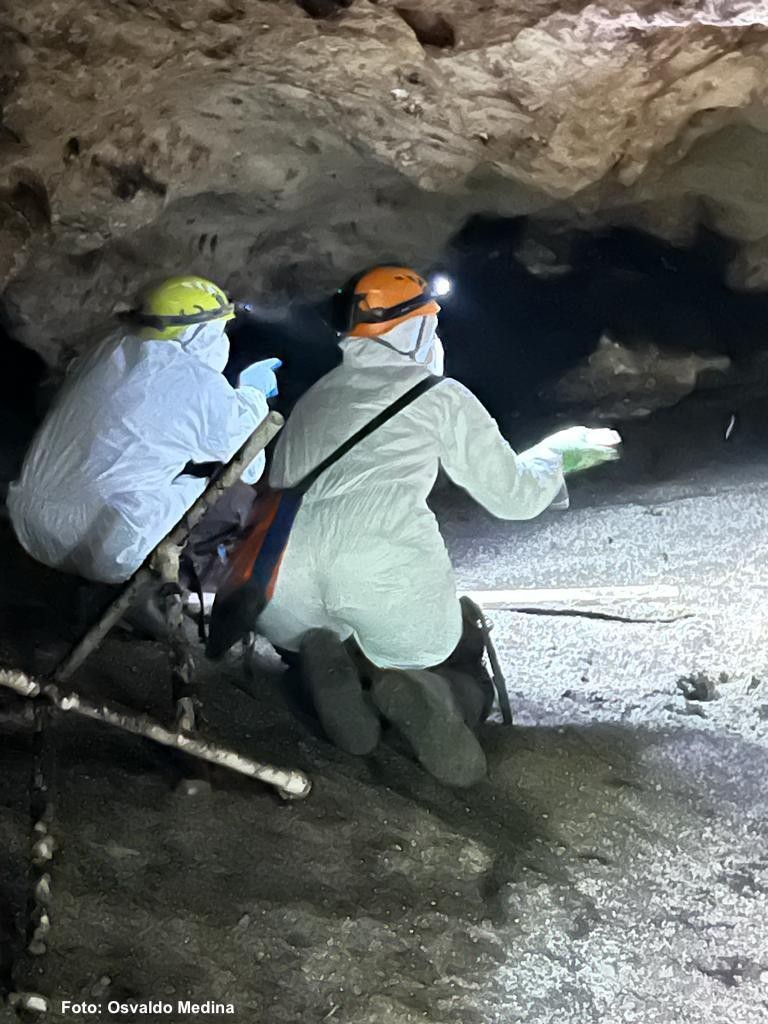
208,343
417,339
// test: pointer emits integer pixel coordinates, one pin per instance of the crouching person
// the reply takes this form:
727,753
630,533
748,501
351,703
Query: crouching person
108,474
364,597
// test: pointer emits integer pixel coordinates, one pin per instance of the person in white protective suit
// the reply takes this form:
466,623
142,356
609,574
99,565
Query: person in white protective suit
107,475
365,563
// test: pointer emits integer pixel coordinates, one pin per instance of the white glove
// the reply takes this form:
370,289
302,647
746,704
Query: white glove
583,447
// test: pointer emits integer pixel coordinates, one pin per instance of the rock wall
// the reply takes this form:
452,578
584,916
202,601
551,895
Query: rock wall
618,383
277,145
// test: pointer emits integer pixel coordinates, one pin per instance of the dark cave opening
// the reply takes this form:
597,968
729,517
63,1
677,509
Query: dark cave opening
510,331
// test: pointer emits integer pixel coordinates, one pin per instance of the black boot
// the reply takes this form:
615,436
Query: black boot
345,711
465,670
422,708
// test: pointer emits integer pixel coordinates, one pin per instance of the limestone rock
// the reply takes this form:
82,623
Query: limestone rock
618,382
277,146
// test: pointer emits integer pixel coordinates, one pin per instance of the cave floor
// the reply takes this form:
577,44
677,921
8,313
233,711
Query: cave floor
613,869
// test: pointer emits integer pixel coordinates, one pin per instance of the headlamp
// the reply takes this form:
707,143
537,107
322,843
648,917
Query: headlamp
440,285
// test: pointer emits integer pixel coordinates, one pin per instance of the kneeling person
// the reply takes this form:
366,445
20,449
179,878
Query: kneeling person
365,591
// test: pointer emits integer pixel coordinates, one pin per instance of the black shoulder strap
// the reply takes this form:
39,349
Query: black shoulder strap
386,414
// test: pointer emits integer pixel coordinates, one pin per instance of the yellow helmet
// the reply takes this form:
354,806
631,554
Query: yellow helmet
168,309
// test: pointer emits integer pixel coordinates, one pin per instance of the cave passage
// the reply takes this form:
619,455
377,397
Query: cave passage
512,324
511,328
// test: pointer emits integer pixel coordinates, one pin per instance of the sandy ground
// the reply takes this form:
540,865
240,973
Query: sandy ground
613,868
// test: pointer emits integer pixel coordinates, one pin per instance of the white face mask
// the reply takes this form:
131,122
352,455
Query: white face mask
417,338
434,357
208,343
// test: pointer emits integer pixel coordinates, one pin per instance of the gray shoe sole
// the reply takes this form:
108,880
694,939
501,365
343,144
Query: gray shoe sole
420,706
346,714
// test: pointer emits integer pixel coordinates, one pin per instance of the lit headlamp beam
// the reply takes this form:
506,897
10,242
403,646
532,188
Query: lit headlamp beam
440,286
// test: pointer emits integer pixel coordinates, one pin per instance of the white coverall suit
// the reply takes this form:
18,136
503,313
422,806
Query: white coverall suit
365,556
101,484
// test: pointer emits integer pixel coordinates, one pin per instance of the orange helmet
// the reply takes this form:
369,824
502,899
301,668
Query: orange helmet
387,296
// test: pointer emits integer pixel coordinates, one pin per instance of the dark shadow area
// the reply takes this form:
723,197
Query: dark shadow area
322,9
301,335
15,752
38,606
430,27
22,372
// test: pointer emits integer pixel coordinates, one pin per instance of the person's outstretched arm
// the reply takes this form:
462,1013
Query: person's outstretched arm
476,457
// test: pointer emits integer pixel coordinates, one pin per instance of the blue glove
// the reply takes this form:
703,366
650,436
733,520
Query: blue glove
261,375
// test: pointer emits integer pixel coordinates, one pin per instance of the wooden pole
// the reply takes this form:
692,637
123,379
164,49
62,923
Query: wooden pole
232,472
290,784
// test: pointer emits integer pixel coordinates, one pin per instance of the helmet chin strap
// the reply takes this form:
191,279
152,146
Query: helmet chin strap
412,353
